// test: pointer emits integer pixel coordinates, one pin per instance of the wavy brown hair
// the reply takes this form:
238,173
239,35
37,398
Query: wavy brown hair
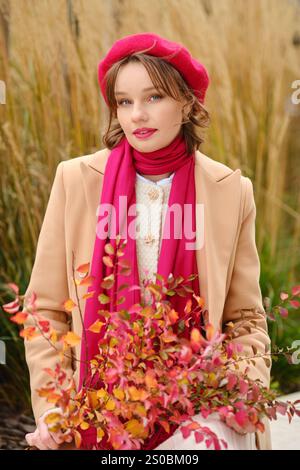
165,76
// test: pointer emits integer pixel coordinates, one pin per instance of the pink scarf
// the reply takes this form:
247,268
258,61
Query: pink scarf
119,180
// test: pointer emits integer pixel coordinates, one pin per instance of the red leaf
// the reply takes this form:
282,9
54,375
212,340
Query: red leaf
283,312
296,290
44,325
12,307
14,287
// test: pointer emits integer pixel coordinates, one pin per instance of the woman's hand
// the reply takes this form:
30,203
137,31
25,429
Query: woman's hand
43,439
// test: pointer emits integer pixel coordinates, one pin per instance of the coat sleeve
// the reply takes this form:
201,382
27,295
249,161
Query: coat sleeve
244,294
50,283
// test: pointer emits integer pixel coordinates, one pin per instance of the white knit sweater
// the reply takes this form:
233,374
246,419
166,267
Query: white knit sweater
152,201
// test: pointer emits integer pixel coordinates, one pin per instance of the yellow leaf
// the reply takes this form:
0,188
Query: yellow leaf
69,305
100,434
102,393
113,342
96,326
140,410
119,394
110,405
136,429
53,418
84,425
137,394
71,339
53,336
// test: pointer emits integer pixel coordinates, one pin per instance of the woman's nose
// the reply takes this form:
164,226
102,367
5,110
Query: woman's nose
138,113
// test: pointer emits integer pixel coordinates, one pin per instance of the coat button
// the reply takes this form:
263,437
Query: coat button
153,194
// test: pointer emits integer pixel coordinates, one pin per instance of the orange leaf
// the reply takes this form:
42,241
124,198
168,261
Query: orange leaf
78,438
88,295
20,318
209,329
165,425
188,306
29,333
83,268
87,281
200,300
173,316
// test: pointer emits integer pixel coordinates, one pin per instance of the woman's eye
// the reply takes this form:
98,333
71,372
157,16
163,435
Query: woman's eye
122,101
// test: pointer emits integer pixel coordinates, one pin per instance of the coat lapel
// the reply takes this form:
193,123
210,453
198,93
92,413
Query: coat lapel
218,190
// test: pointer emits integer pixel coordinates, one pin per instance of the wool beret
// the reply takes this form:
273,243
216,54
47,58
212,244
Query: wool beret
193,72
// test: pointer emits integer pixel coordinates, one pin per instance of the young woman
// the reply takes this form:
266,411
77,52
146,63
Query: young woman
155,93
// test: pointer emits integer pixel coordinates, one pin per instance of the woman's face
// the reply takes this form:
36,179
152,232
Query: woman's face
137,108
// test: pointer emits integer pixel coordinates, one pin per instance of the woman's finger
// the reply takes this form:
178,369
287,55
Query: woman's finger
46,437
37,442
33,439
28,438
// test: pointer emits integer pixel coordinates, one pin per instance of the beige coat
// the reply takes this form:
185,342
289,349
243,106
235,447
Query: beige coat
228,263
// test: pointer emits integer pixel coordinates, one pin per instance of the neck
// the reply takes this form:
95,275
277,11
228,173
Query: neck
156,178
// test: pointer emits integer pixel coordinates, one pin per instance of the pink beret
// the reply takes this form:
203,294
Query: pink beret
191,70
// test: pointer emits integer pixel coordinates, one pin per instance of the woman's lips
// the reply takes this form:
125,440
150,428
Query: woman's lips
145,135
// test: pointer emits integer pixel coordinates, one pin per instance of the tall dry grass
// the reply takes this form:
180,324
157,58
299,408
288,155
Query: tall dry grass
54,110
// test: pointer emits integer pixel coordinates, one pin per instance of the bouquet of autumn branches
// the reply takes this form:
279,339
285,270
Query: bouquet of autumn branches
156,369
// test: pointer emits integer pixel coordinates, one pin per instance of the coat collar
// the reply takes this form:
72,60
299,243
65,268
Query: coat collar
218,190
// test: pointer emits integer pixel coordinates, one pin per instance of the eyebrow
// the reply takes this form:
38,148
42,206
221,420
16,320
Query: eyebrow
145,89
